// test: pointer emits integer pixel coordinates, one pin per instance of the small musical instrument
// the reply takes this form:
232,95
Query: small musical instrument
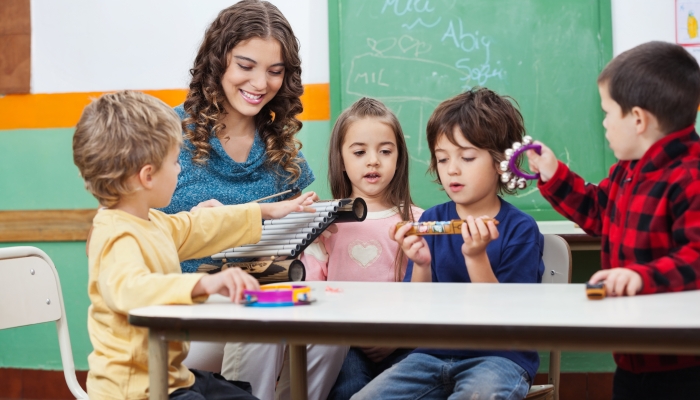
595,291
511,173
278,296
287,238
453,227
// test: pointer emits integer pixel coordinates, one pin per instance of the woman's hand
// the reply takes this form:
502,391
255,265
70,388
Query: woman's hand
283,208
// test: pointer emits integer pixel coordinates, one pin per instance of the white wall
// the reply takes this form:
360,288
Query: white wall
638,21
91,45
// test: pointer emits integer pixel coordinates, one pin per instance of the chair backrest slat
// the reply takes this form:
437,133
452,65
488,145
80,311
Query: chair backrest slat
557,260
28,292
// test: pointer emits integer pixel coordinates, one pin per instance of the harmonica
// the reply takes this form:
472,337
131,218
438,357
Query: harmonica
453,227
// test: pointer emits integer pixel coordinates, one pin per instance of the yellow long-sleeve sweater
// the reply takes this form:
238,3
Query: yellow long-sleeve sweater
136,263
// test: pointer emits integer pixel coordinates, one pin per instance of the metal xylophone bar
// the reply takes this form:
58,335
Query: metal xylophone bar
303,228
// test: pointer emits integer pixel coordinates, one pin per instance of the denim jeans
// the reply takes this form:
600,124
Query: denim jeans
677,384
358,370
422,376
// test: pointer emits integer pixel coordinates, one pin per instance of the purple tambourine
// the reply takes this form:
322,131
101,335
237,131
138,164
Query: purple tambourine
511,175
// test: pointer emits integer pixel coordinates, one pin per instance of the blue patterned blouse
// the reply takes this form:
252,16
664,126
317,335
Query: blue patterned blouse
228,181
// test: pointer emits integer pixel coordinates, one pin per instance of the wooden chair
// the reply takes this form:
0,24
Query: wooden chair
557,269
30,293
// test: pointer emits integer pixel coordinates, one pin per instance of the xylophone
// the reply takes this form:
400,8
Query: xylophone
288,237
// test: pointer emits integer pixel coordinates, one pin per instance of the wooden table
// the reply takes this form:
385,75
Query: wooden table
444,315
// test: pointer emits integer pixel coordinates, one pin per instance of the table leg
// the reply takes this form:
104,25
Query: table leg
297,364
157,366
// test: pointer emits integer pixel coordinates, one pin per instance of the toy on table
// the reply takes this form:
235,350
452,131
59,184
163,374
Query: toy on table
511,173
453,227
271,260
278,296
595,291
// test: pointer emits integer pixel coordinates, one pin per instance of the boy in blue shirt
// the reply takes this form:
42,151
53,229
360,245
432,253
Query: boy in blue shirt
466,135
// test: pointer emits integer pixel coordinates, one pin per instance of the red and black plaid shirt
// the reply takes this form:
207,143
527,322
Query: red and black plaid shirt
648,214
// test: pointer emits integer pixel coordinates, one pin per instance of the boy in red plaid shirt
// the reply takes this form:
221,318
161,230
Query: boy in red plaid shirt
648,210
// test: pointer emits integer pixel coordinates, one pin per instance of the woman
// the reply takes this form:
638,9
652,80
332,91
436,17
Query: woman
239,122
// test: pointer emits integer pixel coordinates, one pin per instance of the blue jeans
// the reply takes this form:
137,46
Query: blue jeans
358,370
422,376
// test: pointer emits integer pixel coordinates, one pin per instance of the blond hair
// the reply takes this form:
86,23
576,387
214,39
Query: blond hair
117,135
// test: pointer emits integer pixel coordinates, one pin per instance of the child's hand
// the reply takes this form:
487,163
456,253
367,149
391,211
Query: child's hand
619,281
283,208
477,235
377,354
414,246
230,282
546,164
207,204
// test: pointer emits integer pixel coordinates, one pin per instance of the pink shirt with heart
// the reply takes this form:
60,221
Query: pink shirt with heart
359,251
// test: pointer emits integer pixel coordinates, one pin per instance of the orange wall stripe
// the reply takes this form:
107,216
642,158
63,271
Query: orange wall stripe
62,110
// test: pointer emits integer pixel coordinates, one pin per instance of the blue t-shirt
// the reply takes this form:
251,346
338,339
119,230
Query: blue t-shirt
516,257
228,181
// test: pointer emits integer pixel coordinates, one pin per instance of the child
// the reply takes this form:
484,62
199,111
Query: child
647,209
126,147
368,158
466,137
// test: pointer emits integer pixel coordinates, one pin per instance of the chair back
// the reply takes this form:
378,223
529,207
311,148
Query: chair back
30,293
556,256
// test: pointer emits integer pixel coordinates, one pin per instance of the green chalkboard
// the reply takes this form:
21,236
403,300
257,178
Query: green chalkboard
546,54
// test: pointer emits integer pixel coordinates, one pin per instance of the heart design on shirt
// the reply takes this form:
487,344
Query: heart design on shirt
364,253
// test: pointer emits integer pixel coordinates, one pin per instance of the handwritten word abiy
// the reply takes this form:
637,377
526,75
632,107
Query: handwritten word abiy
470,42
402,7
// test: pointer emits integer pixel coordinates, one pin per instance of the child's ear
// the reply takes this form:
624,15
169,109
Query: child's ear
145,176
643,120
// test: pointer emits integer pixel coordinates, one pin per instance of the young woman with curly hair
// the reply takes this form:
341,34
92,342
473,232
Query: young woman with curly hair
239,123
240,116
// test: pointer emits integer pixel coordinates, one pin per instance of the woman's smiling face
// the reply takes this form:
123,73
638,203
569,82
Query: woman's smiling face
253,77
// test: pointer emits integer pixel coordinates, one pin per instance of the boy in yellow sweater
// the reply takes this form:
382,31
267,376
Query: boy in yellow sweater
126,147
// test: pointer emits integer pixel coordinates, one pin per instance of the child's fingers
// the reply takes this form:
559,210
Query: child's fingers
484,232
635,284
493,230
619,284
473,230
600,276
392,232
465,234
400,234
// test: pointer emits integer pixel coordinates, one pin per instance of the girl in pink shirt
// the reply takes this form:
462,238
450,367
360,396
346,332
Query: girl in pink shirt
368,158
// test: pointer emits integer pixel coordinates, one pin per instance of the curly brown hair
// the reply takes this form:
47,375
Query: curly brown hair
486,119
276,122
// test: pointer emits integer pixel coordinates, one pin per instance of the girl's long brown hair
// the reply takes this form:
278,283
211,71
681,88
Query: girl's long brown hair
276,122
398,192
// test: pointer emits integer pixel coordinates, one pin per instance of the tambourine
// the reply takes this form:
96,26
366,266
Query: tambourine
511,173
278,296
